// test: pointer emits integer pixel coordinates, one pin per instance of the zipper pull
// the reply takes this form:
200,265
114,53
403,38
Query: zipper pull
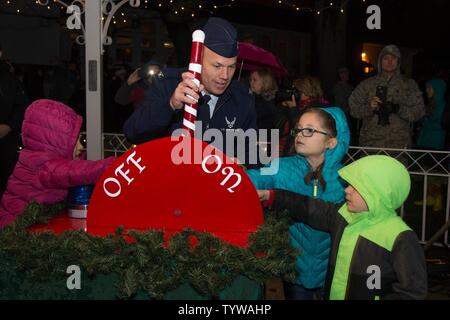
315,188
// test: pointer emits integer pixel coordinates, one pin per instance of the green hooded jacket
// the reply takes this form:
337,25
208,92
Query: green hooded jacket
374,255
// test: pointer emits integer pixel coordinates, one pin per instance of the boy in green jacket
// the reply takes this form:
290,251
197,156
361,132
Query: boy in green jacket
374,254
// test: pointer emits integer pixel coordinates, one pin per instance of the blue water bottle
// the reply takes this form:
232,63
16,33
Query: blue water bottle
78,201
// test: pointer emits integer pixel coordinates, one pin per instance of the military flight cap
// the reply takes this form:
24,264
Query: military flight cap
221,37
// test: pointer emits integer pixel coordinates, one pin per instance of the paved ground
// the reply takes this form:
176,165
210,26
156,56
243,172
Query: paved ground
438,263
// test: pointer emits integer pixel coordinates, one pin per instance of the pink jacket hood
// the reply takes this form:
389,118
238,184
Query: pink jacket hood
52,127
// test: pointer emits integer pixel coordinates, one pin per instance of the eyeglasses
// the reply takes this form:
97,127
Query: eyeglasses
307,132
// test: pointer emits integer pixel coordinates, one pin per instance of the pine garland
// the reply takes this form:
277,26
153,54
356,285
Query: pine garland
147,263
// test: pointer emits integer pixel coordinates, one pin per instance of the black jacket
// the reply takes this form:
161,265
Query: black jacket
403,270
267,114
123,94
12,99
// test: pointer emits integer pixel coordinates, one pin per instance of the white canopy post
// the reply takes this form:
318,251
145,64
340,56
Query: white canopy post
94,74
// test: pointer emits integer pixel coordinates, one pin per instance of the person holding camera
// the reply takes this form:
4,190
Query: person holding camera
306,92
387,104
133,89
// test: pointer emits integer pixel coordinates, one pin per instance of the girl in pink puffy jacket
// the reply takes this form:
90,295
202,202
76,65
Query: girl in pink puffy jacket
49,164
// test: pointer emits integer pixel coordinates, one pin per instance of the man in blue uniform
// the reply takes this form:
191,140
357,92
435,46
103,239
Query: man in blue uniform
224,103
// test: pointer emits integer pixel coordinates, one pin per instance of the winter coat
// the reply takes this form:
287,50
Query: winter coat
134,93
288,174
341,92
267,114
402,92
374,254
12,99
46,168
432,135
268,117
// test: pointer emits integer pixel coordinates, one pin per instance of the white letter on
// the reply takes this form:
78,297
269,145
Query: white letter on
230,174
219,163
112,195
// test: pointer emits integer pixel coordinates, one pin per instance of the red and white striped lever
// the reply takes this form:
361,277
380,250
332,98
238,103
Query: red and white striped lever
195,67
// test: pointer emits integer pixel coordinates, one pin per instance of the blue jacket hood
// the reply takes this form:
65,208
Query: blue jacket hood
439,86
333,157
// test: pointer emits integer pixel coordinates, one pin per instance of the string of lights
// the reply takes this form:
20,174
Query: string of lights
296,6
188,7
112,15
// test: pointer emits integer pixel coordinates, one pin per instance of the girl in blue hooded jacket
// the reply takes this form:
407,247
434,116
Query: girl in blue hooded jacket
432,135
321,141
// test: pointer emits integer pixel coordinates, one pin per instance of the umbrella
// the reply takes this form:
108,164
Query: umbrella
252,57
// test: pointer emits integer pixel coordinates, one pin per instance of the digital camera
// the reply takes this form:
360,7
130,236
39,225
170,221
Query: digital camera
149,71
286,94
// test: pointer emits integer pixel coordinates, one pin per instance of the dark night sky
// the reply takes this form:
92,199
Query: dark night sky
411,23
419,24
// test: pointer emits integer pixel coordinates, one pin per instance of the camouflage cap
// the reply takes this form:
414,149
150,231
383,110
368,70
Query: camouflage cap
391,49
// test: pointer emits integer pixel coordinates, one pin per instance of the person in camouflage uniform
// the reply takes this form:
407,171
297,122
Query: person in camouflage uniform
387,124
